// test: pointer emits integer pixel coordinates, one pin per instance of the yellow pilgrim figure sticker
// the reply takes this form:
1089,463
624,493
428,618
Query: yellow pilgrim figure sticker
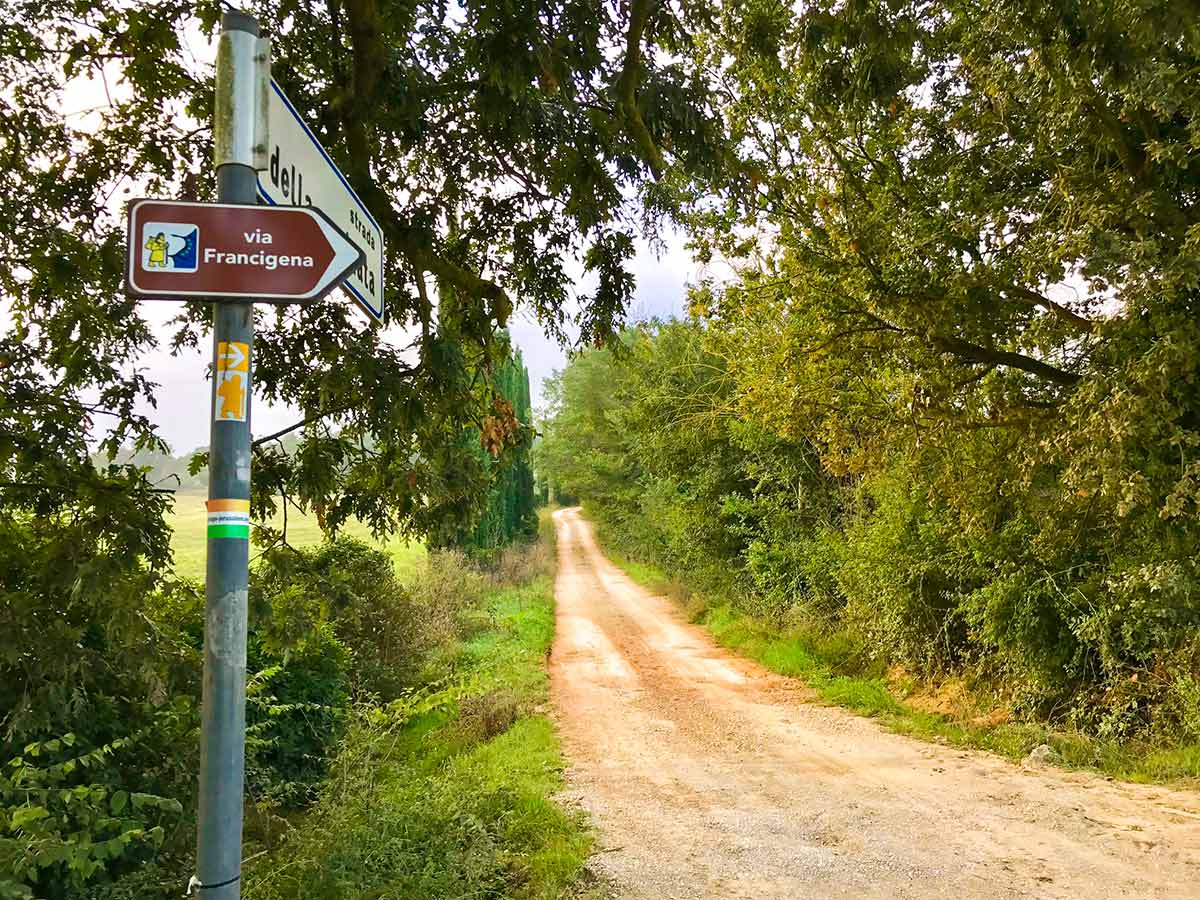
233,381
157,245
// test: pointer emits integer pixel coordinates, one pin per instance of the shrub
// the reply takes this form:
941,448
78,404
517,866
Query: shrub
71,815
482,717
444,591
795,569
903,580
1182,705
388,630
521,563
98,707
295,712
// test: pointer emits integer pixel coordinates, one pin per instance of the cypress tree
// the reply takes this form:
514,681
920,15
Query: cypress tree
510,514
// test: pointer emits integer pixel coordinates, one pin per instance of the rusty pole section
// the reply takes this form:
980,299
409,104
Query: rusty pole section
240,143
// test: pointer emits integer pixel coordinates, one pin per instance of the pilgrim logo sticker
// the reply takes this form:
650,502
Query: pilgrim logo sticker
170,247
233,381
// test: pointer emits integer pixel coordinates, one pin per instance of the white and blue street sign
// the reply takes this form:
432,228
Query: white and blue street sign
300,173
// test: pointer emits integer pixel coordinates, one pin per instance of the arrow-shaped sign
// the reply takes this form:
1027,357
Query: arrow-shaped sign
231,356
225,251
301,173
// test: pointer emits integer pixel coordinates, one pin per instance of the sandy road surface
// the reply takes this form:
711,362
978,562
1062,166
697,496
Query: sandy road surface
710,777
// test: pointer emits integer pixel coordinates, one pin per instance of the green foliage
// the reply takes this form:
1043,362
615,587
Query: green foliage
484,186
74,583
69,816
295,712
344,593
446,792
509,514
943,556
947,404
100,690
97,800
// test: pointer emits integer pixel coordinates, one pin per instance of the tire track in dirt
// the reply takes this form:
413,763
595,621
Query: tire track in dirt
709,776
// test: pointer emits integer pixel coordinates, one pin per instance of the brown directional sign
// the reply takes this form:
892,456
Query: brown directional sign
284,254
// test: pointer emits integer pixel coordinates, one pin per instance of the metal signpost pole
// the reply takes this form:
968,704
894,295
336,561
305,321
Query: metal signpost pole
222,746
233,253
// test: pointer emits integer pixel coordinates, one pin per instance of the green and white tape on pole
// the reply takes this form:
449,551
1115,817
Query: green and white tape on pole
229,519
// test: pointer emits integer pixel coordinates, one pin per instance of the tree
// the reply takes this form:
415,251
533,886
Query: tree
981,234
507,513
956,365
935,178
580,449
492,140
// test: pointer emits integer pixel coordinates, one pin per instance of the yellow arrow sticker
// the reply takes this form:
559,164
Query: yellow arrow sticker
232,381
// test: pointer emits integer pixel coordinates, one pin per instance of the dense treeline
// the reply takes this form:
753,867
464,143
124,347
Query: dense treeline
947,396
945,554
510,513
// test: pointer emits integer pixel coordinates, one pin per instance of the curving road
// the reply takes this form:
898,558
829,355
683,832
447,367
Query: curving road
708,776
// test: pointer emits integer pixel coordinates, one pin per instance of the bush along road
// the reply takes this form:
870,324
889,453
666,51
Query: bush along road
448,790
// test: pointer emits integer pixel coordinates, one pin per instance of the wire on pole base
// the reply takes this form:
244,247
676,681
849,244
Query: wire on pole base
195,885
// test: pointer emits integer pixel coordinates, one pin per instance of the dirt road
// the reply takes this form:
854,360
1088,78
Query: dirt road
710,777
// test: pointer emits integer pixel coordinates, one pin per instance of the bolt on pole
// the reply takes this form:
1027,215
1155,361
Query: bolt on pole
240,144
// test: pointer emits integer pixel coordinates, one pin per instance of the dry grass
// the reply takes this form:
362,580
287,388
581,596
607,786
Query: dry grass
485,716
522,563
449,594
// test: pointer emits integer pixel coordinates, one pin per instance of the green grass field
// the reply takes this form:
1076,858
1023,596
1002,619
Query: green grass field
190,523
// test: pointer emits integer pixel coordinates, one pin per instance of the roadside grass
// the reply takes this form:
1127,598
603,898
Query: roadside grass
189,523
449,793
826,662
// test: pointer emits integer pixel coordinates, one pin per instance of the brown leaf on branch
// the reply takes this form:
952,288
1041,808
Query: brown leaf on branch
499,428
